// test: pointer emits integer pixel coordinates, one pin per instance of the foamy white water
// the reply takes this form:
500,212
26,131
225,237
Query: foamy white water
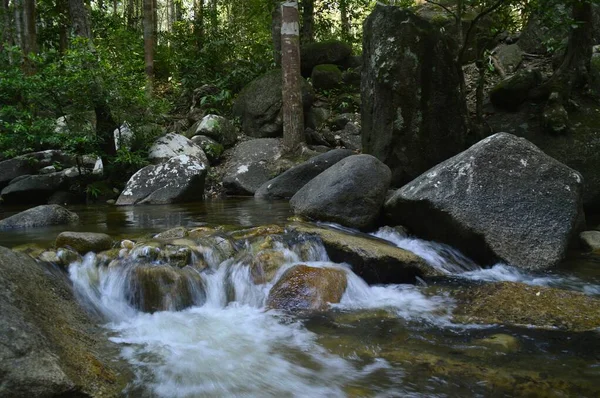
230,345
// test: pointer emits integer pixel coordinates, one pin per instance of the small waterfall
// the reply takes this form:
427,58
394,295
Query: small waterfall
225,342
443,257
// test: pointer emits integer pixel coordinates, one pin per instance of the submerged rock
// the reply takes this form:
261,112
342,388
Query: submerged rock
351,192
165,288
181,179
307,288
373,259
40,216
511,303
287,184
503,198
413,115
49,346
83,242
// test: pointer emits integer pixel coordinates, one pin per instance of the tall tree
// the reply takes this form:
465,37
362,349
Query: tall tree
276,31
29,28
345,20
7,31
80,20
307,33
149,41
293,115
199,22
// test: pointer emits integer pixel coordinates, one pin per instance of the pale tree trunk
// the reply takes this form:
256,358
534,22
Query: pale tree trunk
171,14
149,41
293,115
307,33
80,20
18,16
345,20
276,32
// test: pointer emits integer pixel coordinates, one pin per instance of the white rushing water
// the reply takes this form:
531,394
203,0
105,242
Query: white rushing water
233,346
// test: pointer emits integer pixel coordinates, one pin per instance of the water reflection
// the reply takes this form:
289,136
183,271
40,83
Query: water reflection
131,221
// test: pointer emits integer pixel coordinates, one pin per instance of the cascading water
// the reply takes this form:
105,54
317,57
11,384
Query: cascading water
231,345
227,342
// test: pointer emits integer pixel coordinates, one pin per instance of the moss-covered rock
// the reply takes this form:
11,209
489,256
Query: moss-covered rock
326,52
326,77
307,288
265,265
49,346
511,303
173,233
83,242
374,260
513,91
264,230
211,148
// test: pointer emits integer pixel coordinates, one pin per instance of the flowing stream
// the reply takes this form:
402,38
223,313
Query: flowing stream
379,341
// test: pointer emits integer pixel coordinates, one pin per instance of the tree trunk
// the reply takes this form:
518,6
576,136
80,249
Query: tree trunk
293,115
7,30
307,34
276,32
30,34
149,40
115,7
129,12
214,16
345,21
80,20
199,23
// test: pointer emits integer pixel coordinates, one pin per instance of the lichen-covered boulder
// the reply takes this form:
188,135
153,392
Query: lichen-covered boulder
172,145
375,260
326,77
287,184
40,216
325,52
502,199
49,346
510,93
181,179
83,242
307,288
413,115
249,165
351,192
215,127
509,56
258,106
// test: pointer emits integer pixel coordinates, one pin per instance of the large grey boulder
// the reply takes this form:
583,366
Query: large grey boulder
351,192
325,52
181,179
503,199
258,106
40,216
49,346
171,145
287,184
215,127
34,189
413,115
31,163
250,165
